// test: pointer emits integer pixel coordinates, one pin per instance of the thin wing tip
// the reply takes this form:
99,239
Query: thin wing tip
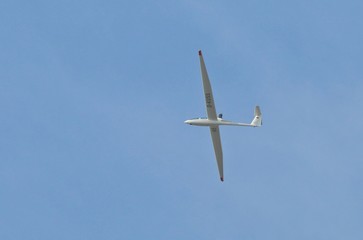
222,179
200,52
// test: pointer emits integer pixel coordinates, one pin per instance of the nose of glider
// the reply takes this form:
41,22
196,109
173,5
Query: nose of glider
187,122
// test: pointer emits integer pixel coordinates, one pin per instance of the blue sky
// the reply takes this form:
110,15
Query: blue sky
93,96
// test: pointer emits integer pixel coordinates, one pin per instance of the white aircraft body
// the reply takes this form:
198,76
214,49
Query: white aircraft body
213,122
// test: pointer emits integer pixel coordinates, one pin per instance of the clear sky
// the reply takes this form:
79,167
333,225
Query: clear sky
94,93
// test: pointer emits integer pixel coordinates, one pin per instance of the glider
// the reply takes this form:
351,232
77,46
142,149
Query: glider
213,122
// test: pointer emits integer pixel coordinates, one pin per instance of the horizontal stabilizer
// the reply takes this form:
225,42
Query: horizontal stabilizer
257,121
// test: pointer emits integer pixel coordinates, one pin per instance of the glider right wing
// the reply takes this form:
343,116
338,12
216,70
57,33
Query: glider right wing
216,138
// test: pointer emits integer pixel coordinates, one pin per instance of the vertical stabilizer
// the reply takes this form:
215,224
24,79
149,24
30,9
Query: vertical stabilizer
257,121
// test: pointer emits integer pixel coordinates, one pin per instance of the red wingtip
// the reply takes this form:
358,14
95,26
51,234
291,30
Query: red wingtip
200,53
222,179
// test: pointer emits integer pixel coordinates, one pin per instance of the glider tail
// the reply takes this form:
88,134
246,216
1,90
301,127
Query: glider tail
257,121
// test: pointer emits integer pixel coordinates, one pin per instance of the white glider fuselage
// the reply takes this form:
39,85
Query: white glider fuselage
207,122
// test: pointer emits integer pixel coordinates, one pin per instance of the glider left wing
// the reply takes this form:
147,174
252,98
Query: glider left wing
209,101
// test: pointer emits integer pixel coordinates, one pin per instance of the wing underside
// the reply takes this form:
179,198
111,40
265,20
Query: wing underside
209,100
216,139
212,115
